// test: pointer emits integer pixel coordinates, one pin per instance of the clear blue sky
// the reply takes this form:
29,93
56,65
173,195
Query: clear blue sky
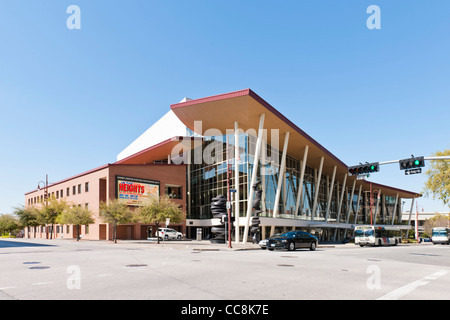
71,100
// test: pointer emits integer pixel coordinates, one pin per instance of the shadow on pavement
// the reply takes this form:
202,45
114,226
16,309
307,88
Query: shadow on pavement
20,244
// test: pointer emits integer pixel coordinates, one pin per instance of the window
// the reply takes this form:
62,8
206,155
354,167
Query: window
68,192
74,190
174,192
86,229
57,194
68,229
61,193
79,188
86,187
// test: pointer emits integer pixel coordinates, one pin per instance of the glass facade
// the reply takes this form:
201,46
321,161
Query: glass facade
209,179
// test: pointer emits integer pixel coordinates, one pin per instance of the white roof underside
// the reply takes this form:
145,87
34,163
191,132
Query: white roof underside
167,127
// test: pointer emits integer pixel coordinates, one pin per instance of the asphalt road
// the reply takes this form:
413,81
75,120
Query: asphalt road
64,269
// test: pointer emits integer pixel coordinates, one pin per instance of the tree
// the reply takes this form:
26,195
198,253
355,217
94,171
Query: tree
52,211
115,212
439,220
158,210
76,216
438,183
27,216
8,224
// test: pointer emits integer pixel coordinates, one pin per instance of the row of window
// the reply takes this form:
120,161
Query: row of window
60,193
59,229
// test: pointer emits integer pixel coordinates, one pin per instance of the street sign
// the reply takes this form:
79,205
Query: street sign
167,222
413,171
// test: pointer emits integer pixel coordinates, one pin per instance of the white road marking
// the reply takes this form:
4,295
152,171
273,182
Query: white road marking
41,283
402,291
4,288
104,275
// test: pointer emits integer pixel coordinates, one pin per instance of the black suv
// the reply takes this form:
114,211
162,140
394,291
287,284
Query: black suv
292,240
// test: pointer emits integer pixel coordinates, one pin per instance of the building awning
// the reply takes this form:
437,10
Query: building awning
158,152
245,107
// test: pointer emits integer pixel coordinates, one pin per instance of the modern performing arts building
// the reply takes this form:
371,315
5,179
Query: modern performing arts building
210,146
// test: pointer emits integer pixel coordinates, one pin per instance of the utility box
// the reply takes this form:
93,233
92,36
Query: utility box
199,234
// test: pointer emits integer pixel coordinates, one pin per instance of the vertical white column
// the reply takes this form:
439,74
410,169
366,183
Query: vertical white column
357,204
300,186
376,209
350,202
253,180
341,199
395,210
281,176
316,195
330,193
236,181
281,181
410,211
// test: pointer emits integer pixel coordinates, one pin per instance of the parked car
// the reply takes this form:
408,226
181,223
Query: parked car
168,233
292,240
263,243
348,240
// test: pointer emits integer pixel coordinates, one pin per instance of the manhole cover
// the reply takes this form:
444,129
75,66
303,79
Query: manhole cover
37,268
285,265
136,265
426,254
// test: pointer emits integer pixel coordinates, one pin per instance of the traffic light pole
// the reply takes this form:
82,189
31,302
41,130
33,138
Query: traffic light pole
426,158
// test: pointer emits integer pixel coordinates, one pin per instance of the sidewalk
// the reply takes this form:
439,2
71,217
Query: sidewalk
206,245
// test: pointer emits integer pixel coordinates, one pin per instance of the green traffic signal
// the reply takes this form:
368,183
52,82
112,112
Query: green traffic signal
412,163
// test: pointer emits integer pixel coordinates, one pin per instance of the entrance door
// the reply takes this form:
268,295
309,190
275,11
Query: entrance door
129,232
102,232
149,232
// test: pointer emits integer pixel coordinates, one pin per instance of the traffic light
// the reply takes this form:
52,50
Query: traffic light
364,168
412,163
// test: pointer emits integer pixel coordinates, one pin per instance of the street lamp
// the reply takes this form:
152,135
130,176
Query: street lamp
45,194
46,189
